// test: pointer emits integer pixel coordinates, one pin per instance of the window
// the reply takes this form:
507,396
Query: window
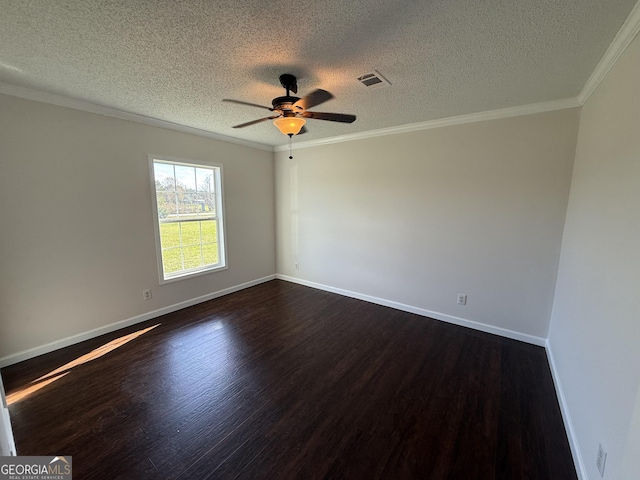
187,201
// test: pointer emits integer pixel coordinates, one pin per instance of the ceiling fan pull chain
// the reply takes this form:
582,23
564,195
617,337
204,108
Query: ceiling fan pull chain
290,154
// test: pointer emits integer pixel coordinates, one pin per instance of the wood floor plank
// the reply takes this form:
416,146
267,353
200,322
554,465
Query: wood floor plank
284,381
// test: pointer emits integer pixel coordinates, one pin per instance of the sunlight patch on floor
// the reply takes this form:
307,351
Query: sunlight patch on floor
60,372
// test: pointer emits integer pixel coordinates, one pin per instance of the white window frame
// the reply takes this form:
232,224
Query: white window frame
219,217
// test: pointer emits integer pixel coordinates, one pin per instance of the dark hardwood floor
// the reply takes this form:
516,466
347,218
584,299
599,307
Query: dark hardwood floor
282,381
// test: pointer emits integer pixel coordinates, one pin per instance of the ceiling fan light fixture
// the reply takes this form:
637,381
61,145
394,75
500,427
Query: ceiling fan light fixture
289,125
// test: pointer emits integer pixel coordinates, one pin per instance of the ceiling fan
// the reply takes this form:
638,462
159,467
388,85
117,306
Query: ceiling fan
292,111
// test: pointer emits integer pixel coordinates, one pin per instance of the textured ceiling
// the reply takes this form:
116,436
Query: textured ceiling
176,60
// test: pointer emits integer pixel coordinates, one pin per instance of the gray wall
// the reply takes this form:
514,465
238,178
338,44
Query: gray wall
77,245
595,328
417,218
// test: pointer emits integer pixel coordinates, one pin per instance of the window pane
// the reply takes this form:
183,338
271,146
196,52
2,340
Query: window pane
166,204
171,260
206,203
185,194
210,253
209,231
192,256
189,204
204,177
190,233
186,177
187,245
164,176
169,235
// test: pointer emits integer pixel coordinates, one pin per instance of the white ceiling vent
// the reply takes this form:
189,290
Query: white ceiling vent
373,79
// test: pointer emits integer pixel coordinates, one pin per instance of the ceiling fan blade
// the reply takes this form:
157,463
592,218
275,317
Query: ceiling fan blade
249,104
332,117
253,122
314,98
302,130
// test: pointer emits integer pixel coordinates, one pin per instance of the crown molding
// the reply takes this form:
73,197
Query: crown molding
623,38
68,102
444,122
621,41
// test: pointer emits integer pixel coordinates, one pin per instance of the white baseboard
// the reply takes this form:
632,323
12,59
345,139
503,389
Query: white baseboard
65,342
575,450
483,327
566,416
539,341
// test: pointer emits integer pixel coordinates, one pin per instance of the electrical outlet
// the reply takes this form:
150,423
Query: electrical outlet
297,266
462,299
601,459
146,294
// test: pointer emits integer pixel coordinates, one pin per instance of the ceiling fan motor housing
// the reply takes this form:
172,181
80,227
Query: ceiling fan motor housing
285,104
